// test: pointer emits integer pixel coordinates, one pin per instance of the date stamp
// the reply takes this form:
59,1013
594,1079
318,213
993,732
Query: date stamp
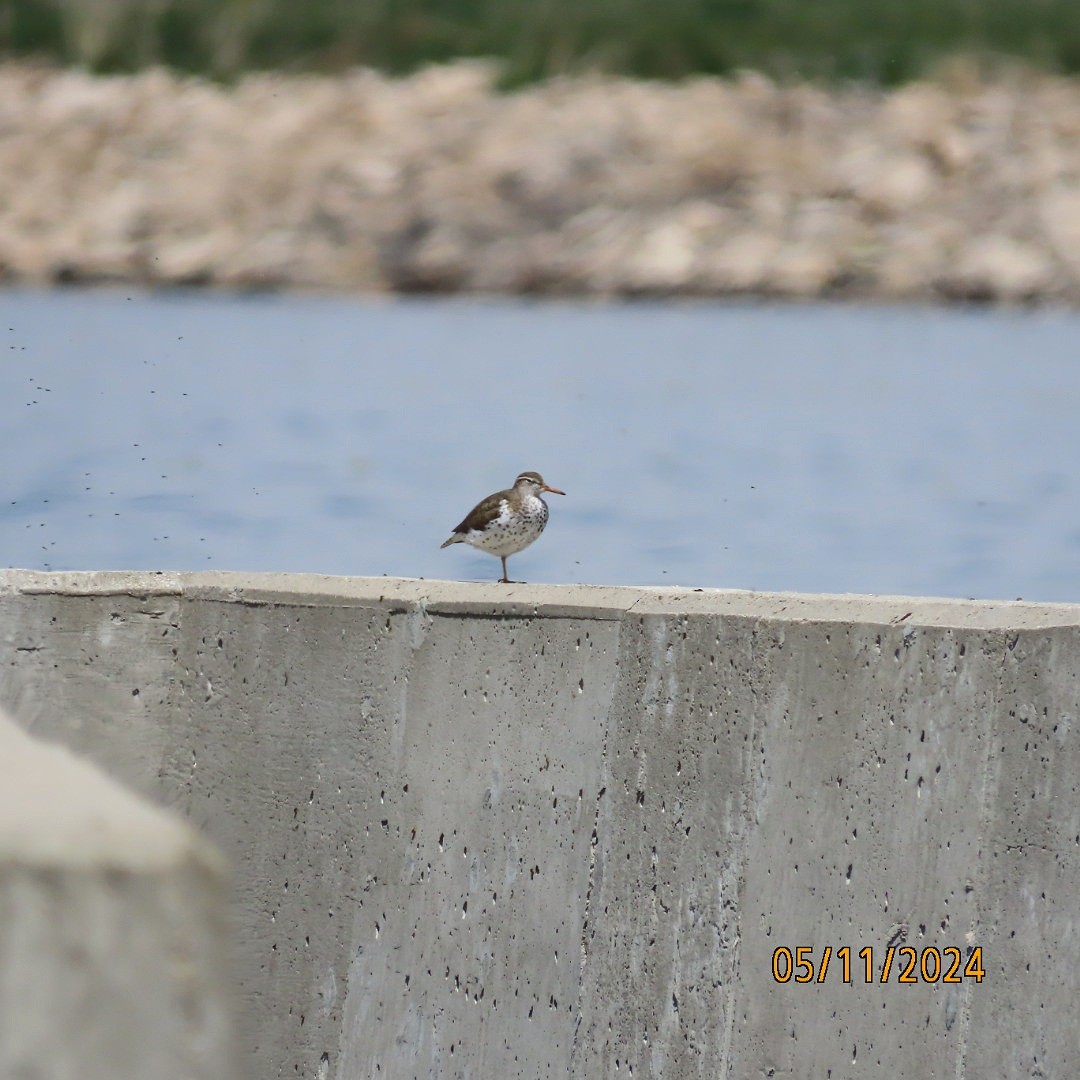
905,965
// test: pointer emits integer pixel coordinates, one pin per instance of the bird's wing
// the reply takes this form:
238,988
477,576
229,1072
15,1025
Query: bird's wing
482,512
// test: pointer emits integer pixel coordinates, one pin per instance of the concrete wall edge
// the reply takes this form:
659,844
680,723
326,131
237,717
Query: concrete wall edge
484,599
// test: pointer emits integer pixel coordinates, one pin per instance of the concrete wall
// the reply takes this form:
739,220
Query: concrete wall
112,929
487,831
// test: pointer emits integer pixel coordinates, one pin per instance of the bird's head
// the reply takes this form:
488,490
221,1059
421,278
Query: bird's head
532,483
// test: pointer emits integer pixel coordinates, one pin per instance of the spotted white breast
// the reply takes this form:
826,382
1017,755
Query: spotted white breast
511,530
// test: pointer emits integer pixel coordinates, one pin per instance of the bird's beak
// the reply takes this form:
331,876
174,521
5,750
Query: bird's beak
554,491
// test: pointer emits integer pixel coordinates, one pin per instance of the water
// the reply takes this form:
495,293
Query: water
818,448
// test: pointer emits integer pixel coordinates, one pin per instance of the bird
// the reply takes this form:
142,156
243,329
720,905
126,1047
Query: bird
508,521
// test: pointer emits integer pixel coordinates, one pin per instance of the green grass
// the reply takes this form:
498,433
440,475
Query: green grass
884,41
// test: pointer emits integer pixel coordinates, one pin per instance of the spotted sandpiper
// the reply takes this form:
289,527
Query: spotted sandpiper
508,521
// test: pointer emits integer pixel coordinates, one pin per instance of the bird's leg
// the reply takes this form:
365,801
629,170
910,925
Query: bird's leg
505,579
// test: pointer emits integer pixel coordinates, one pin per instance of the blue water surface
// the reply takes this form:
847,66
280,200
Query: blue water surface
813,448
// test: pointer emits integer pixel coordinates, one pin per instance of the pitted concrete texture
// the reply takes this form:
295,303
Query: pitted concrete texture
112,929
531,831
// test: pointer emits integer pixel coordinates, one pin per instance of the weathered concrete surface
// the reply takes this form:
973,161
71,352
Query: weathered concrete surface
112,929
537,831
956,188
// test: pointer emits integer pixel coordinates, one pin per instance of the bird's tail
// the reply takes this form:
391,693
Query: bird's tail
457,538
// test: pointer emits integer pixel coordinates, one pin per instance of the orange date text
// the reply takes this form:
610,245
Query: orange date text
902,964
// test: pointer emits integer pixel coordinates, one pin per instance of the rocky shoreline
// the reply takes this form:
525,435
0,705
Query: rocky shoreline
956,189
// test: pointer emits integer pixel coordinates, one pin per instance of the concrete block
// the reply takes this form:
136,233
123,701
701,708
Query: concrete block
112,929
1028,879
532,831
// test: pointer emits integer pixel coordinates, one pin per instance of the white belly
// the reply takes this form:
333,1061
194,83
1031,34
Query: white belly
511,532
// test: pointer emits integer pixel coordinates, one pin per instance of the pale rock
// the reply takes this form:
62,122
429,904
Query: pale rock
592,184
123,213
269,261
830,222
802,269
185,259
906,258
1059,213
602,243
743,264
440,259
768,208
667,257
375,174
454,85
1000,267
925,117
663,259
886,182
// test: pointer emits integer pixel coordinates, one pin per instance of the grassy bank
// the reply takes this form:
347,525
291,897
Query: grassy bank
882,41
